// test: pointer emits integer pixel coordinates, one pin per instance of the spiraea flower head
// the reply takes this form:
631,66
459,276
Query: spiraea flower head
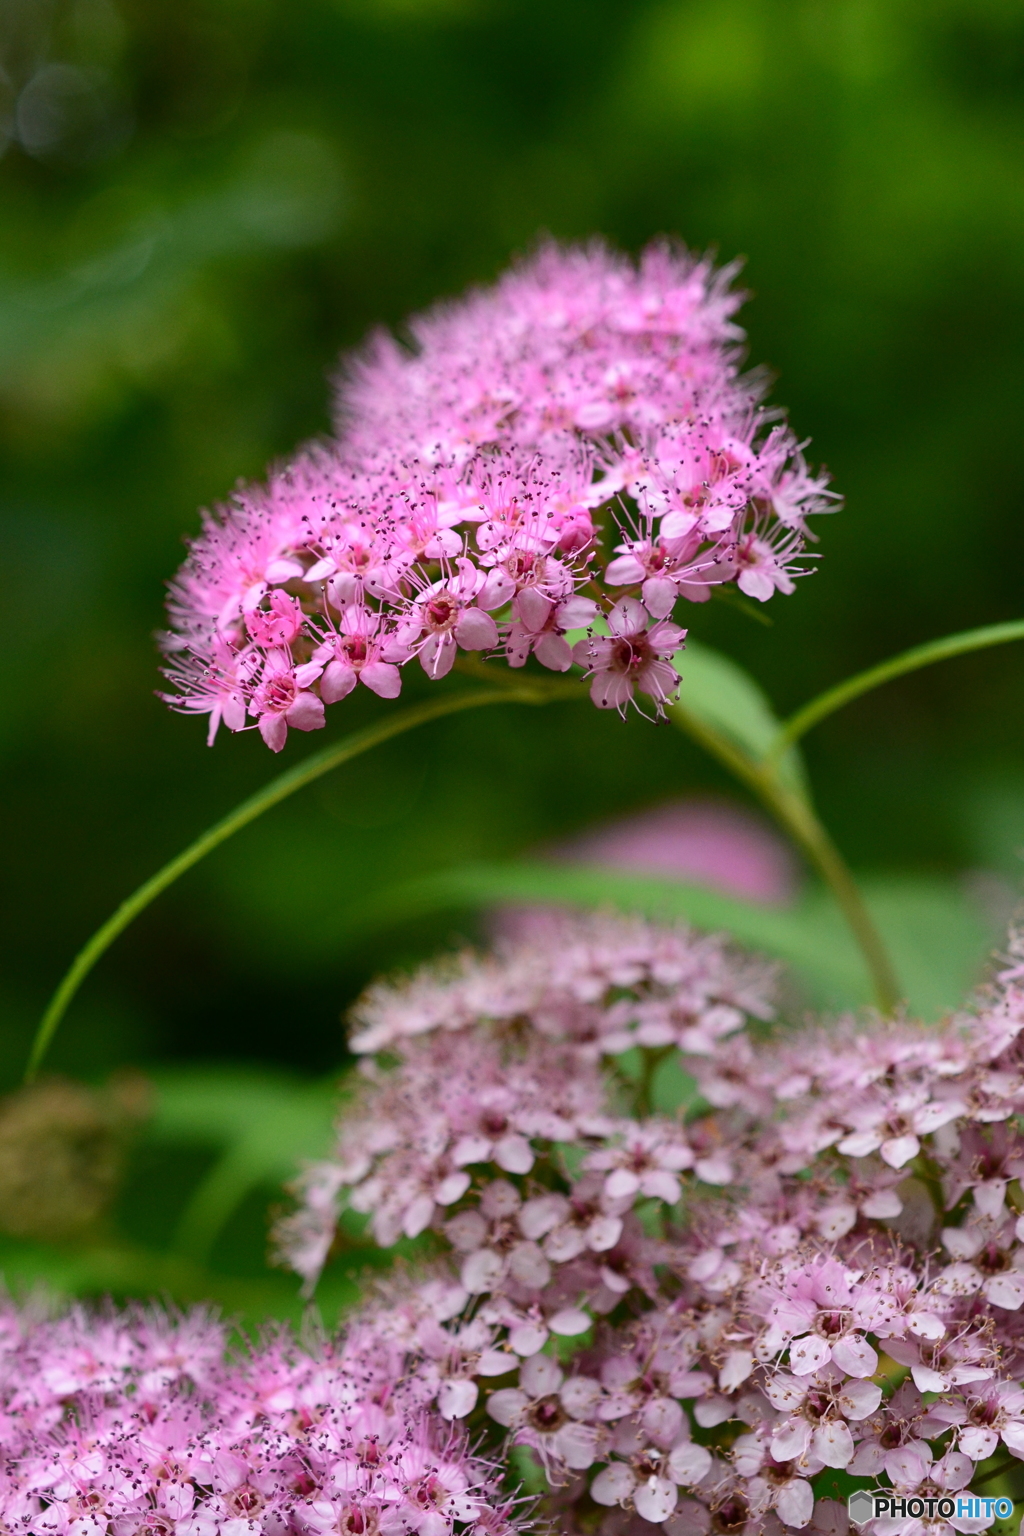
143,1422
555,465
701,1321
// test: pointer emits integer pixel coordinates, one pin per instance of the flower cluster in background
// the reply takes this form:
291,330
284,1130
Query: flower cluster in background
140,1422
552,467
697,1320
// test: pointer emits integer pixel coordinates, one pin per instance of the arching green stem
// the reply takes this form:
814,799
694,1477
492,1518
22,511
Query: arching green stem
908,661
524,691
794,812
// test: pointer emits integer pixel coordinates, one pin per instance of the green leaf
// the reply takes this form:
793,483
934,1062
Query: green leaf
673,1090
720,695
267,1123
126,1270
940,939
276,1116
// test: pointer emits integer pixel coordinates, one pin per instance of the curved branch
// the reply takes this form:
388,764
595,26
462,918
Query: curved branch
531,691
908,661
795,813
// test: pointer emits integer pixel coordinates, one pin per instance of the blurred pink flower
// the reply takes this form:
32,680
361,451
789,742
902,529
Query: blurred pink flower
709,842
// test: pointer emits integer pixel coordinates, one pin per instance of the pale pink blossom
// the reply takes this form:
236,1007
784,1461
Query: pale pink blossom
611,1304
817,1412
546,1412
644,1161
149,1424
359,652
635,655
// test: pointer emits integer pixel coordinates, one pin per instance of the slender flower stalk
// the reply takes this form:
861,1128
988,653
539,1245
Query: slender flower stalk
795,813
827,703
526,691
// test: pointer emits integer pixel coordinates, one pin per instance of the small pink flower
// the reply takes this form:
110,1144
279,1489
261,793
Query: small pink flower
544,1412
818,1411
219,690
444,618
282,700
765,568
277,624
539,625
645,1163
893,1123
996,1413
358,652
634,656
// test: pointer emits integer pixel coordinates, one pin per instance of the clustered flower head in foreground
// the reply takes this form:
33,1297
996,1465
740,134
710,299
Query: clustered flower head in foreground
140,1424
554,466
696,1321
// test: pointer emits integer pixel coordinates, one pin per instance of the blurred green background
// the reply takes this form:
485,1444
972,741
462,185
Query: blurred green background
201,205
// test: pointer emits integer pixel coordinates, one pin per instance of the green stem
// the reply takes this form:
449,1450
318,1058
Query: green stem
797,816
909,661
217,1197
987,1477
526,691
652,1061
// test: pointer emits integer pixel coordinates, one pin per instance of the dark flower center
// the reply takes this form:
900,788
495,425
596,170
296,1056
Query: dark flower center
245,1501
547,1415
354,647
631,656
991,1260
355,1522
732,1515
520,564
779,1472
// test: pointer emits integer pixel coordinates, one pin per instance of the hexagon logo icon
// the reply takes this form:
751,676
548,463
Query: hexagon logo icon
861,1506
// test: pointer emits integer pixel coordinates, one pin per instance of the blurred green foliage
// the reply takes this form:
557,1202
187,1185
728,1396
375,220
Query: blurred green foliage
200,206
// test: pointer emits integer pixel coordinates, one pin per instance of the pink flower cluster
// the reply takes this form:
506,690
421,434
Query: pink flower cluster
139,1424
695,1321
553,466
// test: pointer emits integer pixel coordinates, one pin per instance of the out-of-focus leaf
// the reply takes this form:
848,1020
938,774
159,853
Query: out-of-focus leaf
776,930
125,1271
723,696
128,305
230,1105
939,937
268,1125
673,1090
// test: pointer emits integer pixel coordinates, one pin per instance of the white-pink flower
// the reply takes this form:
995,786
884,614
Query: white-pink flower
546,1411
636,654
817,1412
645,1160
